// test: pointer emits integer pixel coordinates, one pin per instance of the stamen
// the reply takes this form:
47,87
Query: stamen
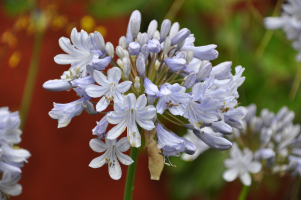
170,104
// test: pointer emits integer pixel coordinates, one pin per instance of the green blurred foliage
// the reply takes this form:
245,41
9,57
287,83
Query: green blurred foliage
202,176
16,7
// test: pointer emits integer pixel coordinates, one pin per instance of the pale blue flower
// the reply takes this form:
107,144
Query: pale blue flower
171,97
113,150
240,165
172,144
129,112
109,89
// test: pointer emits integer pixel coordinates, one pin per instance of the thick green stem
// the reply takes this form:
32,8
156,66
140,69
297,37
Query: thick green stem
244,193
31,77
130,177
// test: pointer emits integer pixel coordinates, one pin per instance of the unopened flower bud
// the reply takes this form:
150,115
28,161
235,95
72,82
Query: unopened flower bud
174,29
156,35
152,27
100,42
88,106
137,86
145,51
137,83
138,37
110,49
189,80
122,42
57,85
126,53
143,39
181,55
119,62
157,65
180,36
180,45
154,46
166,45
189,56
140,64
126,67
135,27
119,52
134,48
164,29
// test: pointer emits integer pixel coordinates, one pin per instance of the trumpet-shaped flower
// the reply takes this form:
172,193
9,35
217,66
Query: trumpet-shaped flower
110,88
240,165
113,150
129,112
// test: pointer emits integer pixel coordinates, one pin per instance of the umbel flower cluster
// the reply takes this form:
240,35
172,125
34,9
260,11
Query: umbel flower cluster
156,76
270,143
12,157
290,22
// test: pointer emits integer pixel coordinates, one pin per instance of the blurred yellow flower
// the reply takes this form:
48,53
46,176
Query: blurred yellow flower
15,59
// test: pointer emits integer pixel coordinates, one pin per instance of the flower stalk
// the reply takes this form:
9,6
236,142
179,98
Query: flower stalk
244,193
130,177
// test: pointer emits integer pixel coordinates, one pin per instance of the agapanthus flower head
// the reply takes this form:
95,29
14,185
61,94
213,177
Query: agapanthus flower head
155,75
289,22
272,137
12,156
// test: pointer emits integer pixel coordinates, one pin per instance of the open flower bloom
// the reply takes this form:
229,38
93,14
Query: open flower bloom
158,75
113,150
110,88
127,114
240,165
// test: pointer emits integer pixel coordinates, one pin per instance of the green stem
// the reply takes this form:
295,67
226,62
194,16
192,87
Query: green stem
244,193
130,177
31,77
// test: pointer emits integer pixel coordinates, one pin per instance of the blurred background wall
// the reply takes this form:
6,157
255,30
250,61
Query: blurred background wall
58,168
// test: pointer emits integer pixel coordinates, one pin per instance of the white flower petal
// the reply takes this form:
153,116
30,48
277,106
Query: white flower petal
102,104
254,167
96,90
230,174
129,101
114,75
145,124
124,86
123,158
65,59
115,169
123,144
99,161
117,130
116,117
245,178
141,102
98,145
100,78
69,48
